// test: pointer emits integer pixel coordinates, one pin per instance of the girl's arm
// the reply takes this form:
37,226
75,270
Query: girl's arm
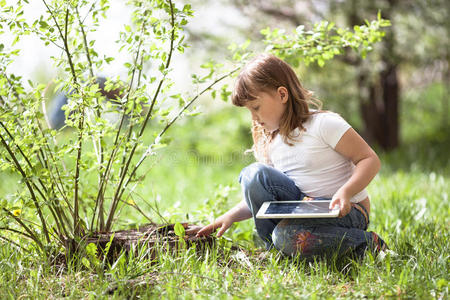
238,213
367,165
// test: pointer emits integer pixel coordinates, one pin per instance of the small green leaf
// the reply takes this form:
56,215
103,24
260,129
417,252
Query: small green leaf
179,230
43,24
91,249
320,62
442,283
86,262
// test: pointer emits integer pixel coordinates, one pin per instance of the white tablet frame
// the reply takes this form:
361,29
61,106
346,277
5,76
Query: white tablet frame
262,211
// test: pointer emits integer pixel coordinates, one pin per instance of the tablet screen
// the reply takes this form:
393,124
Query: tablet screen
317,207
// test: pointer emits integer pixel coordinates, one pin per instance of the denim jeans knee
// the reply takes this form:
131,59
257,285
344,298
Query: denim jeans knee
261,183
251,172
322,236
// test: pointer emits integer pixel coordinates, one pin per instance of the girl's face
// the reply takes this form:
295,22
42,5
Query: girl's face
268,108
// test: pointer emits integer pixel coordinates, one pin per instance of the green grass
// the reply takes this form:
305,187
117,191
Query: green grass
196,180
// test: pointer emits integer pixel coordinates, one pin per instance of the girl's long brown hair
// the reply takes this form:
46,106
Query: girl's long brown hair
266,73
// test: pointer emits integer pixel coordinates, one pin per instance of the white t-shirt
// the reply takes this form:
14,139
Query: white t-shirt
312,163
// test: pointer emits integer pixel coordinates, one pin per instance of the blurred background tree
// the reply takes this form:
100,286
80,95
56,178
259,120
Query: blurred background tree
413,55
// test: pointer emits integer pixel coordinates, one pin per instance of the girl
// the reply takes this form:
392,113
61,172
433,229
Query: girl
302,154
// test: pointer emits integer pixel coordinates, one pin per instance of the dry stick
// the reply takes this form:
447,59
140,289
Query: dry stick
27,183
149,113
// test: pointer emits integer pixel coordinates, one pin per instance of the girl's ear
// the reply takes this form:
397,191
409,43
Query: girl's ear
283,93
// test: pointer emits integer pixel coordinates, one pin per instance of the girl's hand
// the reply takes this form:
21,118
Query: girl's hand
343,200
222,223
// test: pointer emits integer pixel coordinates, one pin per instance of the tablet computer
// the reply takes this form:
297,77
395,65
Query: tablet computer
297,209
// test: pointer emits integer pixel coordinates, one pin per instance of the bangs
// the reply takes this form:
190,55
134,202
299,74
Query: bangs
244,91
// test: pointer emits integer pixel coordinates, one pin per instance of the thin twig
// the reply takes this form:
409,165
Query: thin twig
16,231
119,189
104,179
158,138
27,183
14,243
85,43
58,179
63,36
27,229
27,160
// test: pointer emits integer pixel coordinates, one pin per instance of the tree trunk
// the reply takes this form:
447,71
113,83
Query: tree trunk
380,112
379,98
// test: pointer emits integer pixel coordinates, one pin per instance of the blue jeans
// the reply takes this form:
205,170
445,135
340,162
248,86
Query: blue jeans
305,237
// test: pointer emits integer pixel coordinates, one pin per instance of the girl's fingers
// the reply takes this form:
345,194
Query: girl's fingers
205,230
333,203
222,230
345,208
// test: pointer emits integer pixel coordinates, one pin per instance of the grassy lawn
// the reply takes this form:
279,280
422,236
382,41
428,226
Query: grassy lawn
410,210
197,181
